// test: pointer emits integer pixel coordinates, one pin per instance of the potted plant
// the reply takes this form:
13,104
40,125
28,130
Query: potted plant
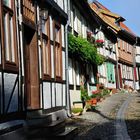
77,111
99,42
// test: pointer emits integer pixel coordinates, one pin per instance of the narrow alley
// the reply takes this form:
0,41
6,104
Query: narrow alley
108,121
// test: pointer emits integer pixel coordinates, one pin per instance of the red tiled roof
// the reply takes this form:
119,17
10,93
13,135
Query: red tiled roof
97,5
122,25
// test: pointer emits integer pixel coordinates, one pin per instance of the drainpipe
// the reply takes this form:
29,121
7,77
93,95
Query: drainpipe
68,106
134,63
18,22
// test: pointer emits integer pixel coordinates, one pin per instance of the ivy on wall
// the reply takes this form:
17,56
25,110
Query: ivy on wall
83,50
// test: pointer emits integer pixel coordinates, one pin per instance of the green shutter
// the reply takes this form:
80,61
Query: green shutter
108,71
113,74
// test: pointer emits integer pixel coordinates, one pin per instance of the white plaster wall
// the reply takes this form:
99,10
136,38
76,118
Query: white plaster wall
53,94
61,4
46,95
111,85
71,17
41,105
63,33
65,5
70,72
22,54
101,51
51,28
58,94
64,95
129,83
137,49
75,21
77,71
63,65
74,96
137,85
138,58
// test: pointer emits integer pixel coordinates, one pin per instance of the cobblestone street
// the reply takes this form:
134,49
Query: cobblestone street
133,118
107,123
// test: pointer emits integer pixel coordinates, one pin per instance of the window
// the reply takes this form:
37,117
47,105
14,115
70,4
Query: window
9,36
58,51
28,9
70,72
77,73
7,3
46,59
46,51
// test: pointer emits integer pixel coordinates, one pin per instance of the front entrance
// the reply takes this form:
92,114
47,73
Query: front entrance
32,97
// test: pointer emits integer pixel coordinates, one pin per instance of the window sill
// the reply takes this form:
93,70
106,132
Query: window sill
58,79
11,67
46,77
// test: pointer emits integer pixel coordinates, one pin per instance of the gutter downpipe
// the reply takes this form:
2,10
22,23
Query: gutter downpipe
68,106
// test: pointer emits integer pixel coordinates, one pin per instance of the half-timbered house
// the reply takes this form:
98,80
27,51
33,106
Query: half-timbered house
124,47
32,62
82,23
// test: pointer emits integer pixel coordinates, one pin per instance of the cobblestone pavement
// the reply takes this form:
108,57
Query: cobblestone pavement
132,116
100,124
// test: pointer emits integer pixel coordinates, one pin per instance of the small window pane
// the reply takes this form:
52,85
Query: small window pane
6,23
44,27
57,34
7,3
46,58
12,40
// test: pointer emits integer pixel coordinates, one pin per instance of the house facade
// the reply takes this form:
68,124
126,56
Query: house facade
124,46
32,59
137,60
107,71
83,24
125,65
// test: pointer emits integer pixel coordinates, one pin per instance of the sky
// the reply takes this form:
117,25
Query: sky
128,9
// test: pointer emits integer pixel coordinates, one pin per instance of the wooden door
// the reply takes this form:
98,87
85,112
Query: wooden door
31,69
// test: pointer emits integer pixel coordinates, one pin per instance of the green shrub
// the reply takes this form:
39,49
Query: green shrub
84,94
77,110
84,50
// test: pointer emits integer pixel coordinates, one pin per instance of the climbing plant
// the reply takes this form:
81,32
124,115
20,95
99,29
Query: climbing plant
84,50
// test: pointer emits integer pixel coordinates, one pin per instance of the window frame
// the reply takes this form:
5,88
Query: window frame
9,65
58,69
46,37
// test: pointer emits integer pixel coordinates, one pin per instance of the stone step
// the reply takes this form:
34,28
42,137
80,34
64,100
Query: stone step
44,130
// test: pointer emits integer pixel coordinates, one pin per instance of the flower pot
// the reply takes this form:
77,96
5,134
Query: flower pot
94,101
